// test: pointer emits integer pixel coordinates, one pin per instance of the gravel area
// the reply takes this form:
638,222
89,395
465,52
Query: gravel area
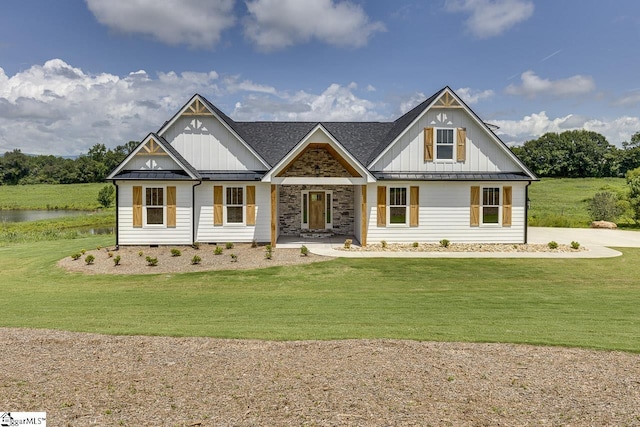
87,379
462,247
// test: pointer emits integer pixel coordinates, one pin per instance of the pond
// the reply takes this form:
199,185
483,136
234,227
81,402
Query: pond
25,215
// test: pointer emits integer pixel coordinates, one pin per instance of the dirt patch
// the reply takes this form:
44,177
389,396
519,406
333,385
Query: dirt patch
133,259
87,379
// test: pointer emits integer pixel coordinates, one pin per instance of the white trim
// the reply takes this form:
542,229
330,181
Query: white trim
145,206
225,205
500,202
407,189
290,180
328,197
453,145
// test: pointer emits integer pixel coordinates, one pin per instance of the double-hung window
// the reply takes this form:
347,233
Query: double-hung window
444,144
398,205
154,204
491,205
235,203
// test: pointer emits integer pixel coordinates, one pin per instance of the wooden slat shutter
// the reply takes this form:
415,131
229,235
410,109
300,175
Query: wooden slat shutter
251,205
217,205
428,144
506,206
475,206
137,206
382,206
171,207
414,208
461,151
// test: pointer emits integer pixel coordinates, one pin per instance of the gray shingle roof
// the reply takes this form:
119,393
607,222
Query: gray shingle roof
167,175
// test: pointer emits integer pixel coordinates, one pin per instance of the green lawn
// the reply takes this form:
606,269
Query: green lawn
563,202
569,302
50,196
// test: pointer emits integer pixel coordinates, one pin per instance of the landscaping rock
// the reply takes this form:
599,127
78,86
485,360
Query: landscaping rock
603,224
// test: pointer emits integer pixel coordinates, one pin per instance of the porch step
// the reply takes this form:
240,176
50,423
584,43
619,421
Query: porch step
318,234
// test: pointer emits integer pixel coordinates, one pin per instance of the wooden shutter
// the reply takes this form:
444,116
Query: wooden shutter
217,205
428,144
414,208
137,206
475,206
506,206
171,207
382,206
461,151
251,205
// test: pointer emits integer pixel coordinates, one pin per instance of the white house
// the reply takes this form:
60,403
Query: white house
436,172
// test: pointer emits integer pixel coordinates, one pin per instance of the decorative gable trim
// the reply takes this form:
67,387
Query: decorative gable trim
447,101
158,146
197,108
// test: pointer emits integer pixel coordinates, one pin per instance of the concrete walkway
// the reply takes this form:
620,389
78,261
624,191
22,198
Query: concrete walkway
597,241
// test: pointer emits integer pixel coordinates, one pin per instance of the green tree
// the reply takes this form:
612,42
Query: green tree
106,195
605,206
633,181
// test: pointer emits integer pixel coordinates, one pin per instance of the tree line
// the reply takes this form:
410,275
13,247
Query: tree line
579,154
19,168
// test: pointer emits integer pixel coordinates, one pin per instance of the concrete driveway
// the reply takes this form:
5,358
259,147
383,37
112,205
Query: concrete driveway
585,236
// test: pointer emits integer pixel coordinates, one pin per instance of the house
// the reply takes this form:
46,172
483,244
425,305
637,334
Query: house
436,172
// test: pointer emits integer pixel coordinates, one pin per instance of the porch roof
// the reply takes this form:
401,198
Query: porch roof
232,175
152,175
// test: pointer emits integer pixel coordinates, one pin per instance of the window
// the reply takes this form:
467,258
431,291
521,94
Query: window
154,201
444,144
397,205
491,205
235,203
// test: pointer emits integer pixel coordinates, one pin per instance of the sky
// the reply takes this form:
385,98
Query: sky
75,73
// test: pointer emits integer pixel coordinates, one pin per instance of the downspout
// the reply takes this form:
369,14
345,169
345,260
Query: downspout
193,211
117,216
526,212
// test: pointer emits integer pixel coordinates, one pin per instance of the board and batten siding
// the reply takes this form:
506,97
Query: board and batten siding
482,152
181,234
207,144
207,232
141,162
444,213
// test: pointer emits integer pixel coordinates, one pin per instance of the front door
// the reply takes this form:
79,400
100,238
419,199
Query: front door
316,210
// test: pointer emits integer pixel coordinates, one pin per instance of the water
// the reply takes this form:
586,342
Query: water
25,215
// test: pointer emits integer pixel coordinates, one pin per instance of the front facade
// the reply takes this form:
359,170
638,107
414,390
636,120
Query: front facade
437,172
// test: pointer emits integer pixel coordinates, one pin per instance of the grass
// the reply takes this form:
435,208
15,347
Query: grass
568,302
50,196
563,202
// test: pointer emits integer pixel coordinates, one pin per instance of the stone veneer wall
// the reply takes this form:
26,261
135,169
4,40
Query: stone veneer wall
290,207
306,164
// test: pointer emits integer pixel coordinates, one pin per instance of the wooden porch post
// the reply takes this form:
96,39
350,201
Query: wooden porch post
363,216
274,215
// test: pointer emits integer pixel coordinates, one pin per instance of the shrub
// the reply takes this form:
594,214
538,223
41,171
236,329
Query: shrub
553,244
106,195
98,247
269,252
304,250
228,245
175,252
234,258
116,260
76,256
82,251
217,250
416,244
575,245
347,243
140,253
605,206
444,243
384,244
254,243
195,245
196,260
110,254
151,262
89,259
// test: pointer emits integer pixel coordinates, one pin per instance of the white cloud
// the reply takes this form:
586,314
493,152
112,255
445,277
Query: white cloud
411,101
276,24
532,86
631,99
473,96
516,132
490,18
196,23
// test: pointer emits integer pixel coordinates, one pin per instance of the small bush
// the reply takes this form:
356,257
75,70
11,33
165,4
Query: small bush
140,253
268,252
98,247
116,260
416,244
106,195
228,245
110,254
552,244
217,250
196,260
347,243
384,244
151,262
195,245
254,244
234,258
304,250
605,206
89,259
444,243
175,252
575,245
82,251
76,256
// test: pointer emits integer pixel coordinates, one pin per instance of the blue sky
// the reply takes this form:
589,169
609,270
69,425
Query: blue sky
74,73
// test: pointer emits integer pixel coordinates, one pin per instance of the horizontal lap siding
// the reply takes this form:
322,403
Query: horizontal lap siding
206,232
444,214
180,235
